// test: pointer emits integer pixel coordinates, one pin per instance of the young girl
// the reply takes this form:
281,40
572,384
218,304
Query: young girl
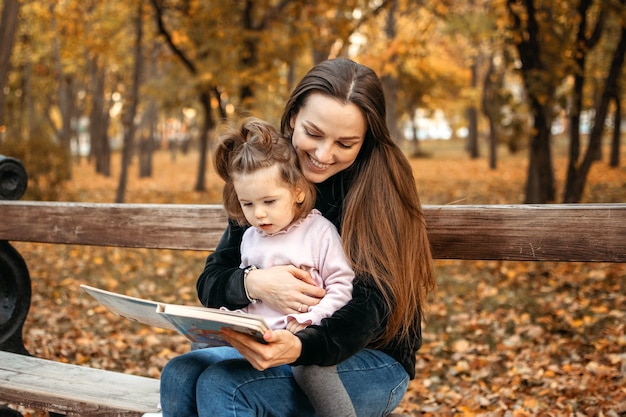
264,188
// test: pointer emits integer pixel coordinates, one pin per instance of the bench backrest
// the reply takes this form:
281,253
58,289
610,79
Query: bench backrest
559,232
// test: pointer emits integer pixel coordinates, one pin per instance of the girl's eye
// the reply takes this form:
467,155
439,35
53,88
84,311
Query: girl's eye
269,202
245,204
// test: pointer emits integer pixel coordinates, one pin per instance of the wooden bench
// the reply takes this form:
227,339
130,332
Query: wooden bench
564,233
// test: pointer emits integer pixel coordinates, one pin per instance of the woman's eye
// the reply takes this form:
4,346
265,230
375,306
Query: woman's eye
346,145
310,134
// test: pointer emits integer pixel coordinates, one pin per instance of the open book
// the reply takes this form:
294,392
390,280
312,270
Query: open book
198,324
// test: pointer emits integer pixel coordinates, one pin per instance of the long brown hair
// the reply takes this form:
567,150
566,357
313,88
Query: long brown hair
256,144
383,228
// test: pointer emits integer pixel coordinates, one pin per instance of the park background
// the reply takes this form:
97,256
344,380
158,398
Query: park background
494,102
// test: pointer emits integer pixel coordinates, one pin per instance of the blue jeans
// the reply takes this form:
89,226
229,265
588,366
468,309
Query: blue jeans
218,381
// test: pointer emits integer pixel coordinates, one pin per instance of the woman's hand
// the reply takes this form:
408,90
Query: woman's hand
285,288
282,348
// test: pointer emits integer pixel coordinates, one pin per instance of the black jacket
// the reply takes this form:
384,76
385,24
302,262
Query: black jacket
350,329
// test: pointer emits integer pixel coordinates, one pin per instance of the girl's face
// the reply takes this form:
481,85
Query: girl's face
327,136
267,202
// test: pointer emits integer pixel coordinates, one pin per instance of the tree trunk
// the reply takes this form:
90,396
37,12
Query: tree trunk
28,117
390,81
472,119
583,46
390,86
204,97
67,104
540,181
8,28
99,120
575,187
207,126
249,57
490,108
493,144
147,142
617,132
129,115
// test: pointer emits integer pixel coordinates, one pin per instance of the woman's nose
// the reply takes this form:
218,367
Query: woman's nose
323,153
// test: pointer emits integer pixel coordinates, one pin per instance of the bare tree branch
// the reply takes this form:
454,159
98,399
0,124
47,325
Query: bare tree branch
168,38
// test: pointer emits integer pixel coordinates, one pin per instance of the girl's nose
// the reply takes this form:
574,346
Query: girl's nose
259,213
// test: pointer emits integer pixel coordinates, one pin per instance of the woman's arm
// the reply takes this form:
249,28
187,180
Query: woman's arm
345,333
221,281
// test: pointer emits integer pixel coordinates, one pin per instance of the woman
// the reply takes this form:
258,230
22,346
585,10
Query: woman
336,120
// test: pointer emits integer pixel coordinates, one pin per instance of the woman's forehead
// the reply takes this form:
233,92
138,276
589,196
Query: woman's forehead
329,115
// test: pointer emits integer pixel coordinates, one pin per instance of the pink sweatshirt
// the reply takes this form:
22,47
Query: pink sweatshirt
312,244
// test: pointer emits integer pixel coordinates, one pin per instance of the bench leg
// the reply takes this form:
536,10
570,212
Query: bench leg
15,292
9,412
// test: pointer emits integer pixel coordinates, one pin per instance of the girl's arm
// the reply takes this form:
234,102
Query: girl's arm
335,272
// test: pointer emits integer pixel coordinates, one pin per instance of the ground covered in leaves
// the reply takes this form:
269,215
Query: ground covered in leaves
501,338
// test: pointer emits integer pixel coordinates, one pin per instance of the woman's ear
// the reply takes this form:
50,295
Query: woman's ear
292,121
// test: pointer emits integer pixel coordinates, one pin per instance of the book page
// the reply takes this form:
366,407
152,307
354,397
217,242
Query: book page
132,308
196,323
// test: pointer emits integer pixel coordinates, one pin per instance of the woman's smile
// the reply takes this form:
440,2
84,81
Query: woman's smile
317,164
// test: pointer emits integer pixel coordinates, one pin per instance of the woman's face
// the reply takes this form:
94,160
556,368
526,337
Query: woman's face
327,136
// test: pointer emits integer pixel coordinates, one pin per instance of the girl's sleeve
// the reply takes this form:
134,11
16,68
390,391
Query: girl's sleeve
221,281
336,273
347,331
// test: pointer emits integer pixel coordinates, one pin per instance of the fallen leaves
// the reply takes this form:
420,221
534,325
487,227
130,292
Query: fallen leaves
542,341
504,339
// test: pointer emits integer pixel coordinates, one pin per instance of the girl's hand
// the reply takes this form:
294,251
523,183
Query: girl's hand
294,326
285,288
282,348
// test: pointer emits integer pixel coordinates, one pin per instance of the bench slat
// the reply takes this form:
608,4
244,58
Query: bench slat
74,390
165,226
557,232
